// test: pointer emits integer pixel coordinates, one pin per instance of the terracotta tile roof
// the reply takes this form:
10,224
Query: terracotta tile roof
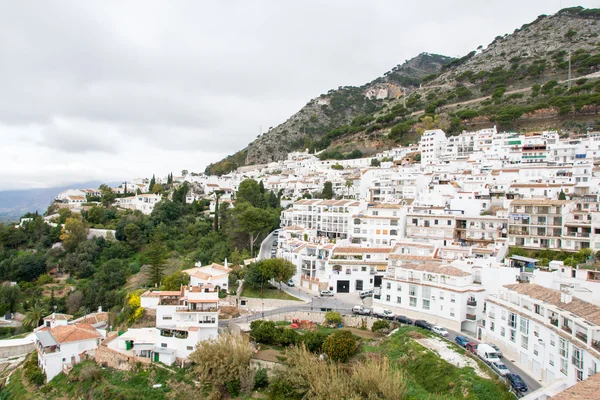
540,185
583,309
94,318
159,293
410,257
74,333
58,317
588,389
352,250
435,268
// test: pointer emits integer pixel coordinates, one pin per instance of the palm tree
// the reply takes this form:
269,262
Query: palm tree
348,185
34,315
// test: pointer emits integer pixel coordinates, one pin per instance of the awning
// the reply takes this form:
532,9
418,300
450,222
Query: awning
46,338
524,259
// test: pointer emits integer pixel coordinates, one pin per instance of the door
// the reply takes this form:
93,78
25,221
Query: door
377,282
549,376
524,360
343,286
156,355
359,285
537,369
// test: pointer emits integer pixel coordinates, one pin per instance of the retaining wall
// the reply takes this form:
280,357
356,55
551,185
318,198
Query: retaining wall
10,348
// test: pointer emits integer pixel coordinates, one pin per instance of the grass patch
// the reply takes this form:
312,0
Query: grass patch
267,293
431,375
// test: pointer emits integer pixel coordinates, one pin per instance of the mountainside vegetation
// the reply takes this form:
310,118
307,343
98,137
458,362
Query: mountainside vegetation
517,82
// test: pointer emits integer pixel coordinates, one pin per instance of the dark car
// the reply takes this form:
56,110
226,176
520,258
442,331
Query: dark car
516,382
423,324
461,341
404,320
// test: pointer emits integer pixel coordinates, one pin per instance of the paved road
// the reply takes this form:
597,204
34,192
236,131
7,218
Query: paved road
531,382
265,247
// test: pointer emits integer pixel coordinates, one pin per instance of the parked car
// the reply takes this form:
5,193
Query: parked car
500,368
274,244
461,341
273,253
423,324
291,283
492,345
487,353
366,293
472,347
383,313
516,382
360,310
440,330
326,293
404,320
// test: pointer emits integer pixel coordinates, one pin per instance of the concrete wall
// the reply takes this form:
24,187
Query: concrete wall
105,356
353,321
10,348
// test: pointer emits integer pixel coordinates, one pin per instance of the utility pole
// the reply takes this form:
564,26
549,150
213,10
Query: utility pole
569,81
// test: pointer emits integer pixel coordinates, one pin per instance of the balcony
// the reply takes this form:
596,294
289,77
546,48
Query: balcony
554,321
581,336
471,317
566,329
596,344
578,234
492,315
472,303
196,310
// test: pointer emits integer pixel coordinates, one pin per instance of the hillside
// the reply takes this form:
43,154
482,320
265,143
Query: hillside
517,82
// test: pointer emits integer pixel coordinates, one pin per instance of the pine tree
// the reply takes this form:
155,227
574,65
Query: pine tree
156,256
152,183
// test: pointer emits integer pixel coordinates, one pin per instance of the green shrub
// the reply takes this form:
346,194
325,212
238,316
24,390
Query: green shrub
340,345
333,317
314,341
261,378
379,325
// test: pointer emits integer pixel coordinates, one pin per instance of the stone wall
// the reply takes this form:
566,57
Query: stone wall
353,321
113,359
10,348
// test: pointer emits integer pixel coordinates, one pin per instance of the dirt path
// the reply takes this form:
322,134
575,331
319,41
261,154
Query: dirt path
444,350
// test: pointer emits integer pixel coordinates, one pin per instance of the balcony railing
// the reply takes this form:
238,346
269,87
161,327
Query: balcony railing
578,234
554,322
471,317
566,329
581,336
472,303
195,310
596,344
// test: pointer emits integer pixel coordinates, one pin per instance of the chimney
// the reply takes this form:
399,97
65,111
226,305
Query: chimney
566,297
226,263
99,308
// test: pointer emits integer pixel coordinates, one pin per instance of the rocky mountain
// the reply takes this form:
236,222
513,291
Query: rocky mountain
517,81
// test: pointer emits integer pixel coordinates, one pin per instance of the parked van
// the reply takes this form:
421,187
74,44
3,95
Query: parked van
487,353
383,313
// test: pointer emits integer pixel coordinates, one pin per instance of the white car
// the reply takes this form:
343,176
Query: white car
439,330
326,293
500,368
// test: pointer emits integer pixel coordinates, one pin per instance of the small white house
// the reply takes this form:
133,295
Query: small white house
215,274
63,346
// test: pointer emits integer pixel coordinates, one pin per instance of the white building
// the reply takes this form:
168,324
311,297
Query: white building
432,146
63,346
215,274
141,202
551,333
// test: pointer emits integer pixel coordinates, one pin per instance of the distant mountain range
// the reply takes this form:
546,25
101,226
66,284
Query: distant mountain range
15,203
515,82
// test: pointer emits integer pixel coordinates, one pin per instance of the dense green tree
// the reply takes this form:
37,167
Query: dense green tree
96,215
249,191
152,183
175,280
74,232
562,195
134,235
107,195
252,222
155,257
28,267
180,193
166,211
10,295
340,345
34,316
328,190
375,162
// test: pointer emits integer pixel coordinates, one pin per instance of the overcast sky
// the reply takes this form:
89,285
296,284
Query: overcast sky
113,90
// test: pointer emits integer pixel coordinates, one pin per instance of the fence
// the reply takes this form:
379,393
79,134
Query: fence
284,310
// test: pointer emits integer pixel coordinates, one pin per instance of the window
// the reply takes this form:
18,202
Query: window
524,341
452,298
563,350
550,359
564,366
503,315
375,213
435,222
426,292
513,335
512,320
441,295
425,304
388,285
412,290
449,222
524,325
452,312
359,284
163,345
399,300
492,326
413,301
538,309
577,358
399,287
167,317
190,348
552,340
387,297
415,221
502,331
